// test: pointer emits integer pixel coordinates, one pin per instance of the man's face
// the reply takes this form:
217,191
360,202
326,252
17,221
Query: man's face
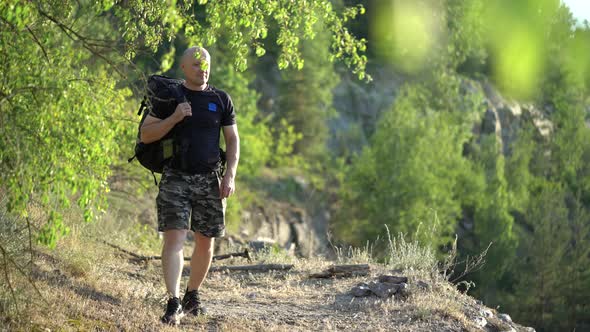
196,68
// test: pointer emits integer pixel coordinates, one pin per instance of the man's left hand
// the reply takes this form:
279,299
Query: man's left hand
227,186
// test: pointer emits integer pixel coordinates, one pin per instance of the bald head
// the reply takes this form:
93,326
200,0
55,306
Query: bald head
196,52
195,64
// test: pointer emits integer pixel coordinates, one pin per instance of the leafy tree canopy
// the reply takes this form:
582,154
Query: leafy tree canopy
59,98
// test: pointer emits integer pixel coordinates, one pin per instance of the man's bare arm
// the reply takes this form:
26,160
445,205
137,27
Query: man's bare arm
232,144
154,128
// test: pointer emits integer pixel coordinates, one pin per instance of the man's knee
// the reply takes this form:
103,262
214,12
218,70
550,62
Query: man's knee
203,243
174,239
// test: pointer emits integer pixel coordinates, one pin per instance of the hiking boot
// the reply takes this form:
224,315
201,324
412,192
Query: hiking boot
173,312
192,303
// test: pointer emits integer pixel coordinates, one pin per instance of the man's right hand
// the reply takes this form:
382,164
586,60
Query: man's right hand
154,128
182,110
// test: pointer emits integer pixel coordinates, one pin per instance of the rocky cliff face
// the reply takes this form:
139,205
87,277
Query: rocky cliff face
284,225
360,105
505,117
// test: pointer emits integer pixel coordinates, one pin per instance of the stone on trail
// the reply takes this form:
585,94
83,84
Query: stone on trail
393,279
505,317
486,312
361,290
403,290
480,321
423,285
383,289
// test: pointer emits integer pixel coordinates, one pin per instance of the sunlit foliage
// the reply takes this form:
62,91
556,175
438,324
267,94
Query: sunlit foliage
61,105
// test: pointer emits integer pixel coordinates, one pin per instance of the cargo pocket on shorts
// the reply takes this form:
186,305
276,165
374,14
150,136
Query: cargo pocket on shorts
219,177
218,182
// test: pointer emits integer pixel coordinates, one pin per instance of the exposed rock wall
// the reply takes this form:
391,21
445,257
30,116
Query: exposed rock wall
282,224
505,118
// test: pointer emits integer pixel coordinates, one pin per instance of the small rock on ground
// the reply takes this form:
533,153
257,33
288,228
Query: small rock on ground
505,317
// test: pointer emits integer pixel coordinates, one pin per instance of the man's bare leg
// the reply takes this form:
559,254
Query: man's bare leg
200,260
173,260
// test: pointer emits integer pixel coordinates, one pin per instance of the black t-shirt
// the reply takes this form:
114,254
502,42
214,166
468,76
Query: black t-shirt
197,136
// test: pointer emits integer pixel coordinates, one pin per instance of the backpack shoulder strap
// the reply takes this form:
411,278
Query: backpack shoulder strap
143,105
178,93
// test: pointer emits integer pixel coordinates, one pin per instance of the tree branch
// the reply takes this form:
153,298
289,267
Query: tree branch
38,43
16,91
253,268
245,254
72,33
19,269
8,277
30,241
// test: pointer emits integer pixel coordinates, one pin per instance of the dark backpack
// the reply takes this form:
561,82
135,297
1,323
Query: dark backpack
162,92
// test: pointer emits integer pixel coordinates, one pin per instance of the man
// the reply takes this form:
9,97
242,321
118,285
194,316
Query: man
191,187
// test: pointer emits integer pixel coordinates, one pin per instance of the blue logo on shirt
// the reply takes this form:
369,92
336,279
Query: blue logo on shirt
212,107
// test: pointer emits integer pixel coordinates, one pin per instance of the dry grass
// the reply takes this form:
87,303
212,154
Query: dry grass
89,286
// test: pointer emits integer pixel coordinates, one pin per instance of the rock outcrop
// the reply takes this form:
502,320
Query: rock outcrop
506,117
282,224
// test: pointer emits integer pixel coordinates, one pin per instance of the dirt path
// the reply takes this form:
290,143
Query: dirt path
120,294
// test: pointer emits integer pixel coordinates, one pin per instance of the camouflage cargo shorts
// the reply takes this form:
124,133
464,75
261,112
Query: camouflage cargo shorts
185,196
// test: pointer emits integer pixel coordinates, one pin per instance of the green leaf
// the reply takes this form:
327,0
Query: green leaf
260,51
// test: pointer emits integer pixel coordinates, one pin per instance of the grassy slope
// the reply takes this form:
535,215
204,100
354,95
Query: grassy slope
87,285
90,286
